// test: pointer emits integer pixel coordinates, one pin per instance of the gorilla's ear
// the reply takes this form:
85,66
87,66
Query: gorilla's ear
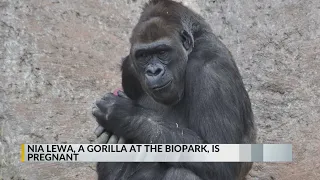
130,84
187,40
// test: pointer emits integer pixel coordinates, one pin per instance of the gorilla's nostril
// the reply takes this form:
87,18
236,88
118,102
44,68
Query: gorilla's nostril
158,71
149,72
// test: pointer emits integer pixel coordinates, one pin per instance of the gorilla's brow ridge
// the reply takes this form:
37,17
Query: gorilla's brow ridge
152,45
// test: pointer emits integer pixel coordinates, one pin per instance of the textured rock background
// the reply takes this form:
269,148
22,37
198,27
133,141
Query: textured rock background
57,57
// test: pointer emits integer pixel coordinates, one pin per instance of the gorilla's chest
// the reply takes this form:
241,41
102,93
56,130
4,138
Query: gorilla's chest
175,113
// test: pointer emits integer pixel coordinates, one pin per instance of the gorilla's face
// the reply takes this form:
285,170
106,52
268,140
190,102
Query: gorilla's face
161,66
159,53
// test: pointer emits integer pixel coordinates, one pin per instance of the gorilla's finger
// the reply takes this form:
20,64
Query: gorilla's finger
98,131
113,139
103,138
102,105
101,117
107,96
121,140
122,94
98,114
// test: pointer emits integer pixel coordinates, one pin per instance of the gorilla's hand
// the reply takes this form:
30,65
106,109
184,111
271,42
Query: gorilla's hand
104,137
106,115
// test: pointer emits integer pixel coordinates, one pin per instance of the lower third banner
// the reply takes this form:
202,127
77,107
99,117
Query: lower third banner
156,152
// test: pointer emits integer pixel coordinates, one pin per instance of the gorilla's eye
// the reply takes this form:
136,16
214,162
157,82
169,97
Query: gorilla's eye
162,54
143,55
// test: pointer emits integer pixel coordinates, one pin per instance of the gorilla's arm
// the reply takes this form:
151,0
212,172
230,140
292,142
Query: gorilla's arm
131,121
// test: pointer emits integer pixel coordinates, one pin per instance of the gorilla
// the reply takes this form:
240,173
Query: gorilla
181,85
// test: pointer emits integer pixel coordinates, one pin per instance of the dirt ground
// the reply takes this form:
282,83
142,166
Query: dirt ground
57,57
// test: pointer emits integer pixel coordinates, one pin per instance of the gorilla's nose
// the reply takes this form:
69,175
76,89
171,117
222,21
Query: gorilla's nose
154,72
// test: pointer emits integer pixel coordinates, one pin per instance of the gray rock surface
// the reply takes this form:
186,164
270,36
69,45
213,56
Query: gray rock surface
57,57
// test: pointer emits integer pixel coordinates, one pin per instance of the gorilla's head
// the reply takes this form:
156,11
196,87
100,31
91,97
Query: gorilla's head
159,54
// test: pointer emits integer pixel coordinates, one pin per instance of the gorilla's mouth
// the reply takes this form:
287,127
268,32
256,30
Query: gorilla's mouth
157,88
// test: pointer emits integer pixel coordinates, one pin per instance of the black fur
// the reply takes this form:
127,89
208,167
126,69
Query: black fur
208,102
